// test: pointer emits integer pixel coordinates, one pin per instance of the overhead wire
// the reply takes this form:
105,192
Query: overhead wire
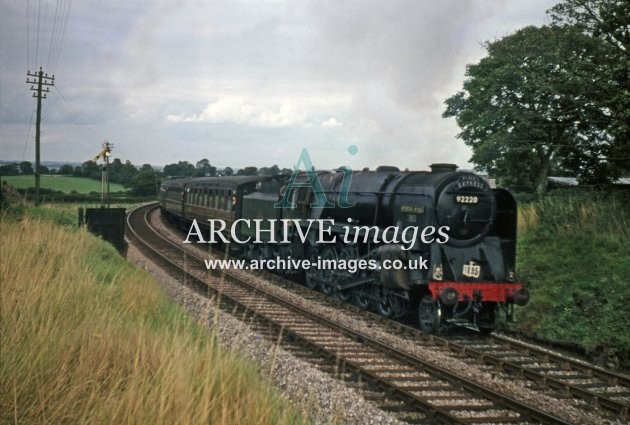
41,23
54,33
28,135
28,34
38,14
87,130
65,14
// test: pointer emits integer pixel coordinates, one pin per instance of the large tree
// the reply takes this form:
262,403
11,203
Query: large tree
529,105
608,21
247,171
204,169
181,169
146,182
26,167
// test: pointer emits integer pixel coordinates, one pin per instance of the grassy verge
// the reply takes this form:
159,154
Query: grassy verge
575,255
88,338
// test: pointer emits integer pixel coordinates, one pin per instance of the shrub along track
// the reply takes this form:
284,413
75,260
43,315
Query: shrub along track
395,380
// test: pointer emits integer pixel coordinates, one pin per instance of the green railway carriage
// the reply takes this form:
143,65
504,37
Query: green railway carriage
201,199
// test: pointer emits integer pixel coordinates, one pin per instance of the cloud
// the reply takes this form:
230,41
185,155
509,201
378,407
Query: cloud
331,122
269,112
216,78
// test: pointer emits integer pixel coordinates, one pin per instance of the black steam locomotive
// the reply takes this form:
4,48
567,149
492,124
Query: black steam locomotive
440,244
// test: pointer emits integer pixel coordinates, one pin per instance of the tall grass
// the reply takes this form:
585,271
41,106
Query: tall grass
598,214
87,338
574,252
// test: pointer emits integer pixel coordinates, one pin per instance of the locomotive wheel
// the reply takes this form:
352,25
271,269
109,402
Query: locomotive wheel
360,299
384,308
328,275
312,274
326,288
399,304
428,315
346,253
343,296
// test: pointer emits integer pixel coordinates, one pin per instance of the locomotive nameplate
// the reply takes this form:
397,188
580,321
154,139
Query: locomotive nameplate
413,209
471,180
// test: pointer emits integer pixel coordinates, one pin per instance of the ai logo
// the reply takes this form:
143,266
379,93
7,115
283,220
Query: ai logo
313,182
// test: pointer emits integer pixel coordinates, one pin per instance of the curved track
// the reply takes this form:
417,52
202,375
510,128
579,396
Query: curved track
412,388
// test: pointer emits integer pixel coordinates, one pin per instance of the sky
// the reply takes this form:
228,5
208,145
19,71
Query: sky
246,83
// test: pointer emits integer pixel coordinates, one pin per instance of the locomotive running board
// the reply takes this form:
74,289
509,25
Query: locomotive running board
348,285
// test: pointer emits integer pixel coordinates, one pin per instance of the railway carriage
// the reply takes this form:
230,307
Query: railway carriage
206,197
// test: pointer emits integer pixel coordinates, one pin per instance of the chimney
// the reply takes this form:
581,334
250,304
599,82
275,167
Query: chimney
443,168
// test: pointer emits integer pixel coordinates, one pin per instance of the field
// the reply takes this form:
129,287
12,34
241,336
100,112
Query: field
65,184
88,338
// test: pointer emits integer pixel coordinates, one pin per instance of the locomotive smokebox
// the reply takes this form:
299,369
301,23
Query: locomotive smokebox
443,168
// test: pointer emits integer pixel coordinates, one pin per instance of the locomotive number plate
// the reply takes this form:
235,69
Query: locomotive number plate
466,199
472,269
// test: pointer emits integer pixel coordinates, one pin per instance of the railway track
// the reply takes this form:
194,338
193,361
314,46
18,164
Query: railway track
397,381
592,387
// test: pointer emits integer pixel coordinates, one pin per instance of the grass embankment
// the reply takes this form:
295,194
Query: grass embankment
65,184
88,338
574,253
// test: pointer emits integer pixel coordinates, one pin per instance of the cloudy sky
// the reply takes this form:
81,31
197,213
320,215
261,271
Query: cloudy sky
246,82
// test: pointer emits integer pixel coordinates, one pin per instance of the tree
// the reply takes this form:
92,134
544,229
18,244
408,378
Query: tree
608,21
605,19
529,106
115,168
66,169
203,169
181,169
247,171
146,182
228,171
269,171
121,173
91,170
10,169
286,172
26,167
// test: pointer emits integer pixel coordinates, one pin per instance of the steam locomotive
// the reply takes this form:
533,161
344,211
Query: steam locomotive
458,266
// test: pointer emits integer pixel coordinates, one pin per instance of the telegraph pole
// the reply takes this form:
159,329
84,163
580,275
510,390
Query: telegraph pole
40,93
